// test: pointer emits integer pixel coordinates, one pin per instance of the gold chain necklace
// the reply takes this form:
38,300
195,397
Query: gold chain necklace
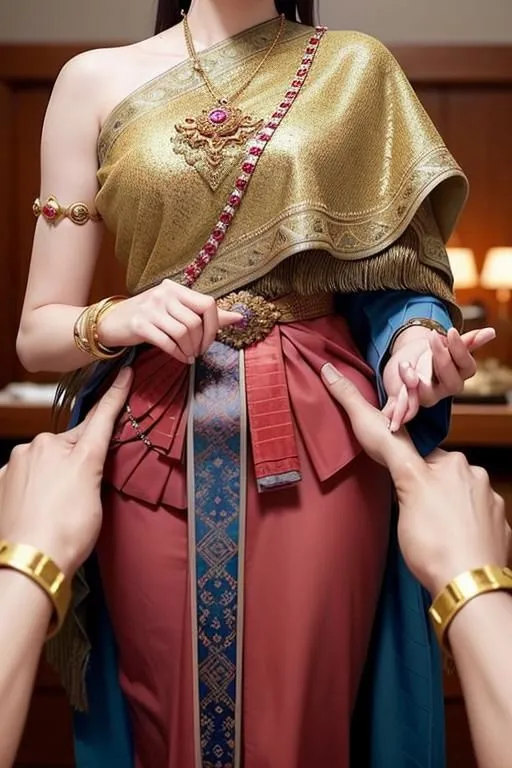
222,124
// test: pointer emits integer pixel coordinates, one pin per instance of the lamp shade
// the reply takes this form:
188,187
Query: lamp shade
497,271
463,266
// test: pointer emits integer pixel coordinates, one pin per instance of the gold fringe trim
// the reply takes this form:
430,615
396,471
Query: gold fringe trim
68,652
400,267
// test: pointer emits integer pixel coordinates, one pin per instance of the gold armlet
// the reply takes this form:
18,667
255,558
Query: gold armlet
85,332
417,322
53,211
460,591
44,572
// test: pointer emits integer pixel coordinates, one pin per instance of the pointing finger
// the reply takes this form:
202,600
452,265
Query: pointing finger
371,426
96,431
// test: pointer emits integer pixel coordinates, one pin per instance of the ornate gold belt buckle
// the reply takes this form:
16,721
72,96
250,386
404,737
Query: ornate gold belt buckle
260,317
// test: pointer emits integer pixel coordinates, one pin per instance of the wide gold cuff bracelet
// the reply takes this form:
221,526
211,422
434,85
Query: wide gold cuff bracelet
53,212
44,572
460,591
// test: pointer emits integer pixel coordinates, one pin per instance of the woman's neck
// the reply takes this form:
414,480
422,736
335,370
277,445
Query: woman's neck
214,20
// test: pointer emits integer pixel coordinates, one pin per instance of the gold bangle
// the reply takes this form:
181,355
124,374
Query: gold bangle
85,331
44,572
417,322
53,212
460,591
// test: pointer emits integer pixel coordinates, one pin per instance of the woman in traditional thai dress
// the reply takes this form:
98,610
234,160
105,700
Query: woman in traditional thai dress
279,200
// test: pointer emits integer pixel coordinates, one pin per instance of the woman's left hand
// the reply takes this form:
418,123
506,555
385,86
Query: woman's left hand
426,367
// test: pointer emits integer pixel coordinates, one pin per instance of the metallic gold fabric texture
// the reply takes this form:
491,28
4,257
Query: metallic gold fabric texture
345,175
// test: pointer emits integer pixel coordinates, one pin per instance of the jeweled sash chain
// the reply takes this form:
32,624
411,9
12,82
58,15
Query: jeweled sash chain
255,149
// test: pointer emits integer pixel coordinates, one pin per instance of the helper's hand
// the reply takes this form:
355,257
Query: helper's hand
450,520
50,489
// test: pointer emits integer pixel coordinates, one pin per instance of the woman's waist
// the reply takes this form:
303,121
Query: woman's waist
261,315
278,380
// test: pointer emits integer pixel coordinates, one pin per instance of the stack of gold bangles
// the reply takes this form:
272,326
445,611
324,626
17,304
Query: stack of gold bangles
85,332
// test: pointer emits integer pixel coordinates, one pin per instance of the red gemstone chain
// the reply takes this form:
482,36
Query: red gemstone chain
255,150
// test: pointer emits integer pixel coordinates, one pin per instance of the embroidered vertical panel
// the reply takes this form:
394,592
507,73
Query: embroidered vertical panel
216,527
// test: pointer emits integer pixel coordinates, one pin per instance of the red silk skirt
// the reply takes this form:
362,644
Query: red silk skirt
314,555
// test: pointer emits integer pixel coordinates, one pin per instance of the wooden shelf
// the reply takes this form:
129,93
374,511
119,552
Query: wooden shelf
481,425
472,425
23,422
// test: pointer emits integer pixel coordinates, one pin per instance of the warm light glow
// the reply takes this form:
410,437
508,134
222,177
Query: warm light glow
463,265
497,271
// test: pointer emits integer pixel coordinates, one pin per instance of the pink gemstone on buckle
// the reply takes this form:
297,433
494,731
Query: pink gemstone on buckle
234,200
248,167
210,249
226,218
218,234
241,184
218,116
256,151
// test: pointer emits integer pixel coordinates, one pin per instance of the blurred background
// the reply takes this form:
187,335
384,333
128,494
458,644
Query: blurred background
458,57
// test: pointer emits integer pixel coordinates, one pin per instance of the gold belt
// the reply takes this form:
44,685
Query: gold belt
261,315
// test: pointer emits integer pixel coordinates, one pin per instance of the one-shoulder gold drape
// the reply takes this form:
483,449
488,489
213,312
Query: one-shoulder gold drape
356,170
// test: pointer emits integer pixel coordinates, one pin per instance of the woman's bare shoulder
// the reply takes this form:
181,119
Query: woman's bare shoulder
104,76
95,66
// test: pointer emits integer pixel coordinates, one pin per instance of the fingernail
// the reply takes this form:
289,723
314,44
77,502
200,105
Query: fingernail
123,377
330,374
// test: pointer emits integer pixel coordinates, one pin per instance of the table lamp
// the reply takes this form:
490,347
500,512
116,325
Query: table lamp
463,266
497,276
465,275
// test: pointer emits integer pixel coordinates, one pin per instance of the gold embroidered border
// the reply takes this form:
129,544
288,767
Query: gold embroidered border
306,227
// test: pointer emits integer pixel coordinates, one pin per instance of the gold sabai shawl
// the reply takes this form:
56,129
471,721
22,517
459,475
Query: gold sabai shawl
355,191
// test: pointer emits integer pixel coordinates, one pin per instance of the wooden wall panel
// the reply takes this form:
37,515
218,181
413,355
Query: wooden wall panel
7,261
477,126
468,93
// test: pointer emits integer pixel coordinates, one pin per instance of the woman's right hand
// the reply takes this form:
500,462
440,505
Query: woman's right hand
181,322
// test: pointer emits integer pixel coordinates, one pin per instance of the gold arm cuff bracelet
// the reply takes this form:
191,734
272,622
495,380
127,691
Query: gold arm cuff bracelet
45,573
53,211
460,591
